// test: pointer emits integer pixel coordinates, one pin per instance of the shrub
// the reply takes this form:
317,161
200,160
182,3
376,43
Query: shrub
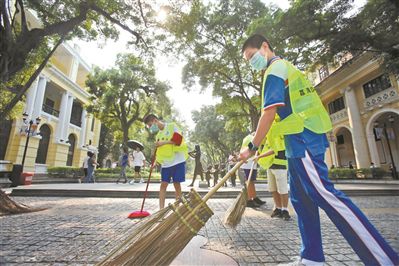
65,172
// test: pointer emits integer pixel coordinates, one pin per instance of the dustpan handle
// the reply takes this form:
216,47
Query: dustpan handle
224,179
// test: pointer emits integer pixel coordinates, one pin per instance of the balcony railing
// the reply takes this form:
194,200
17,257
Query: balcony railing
382,97
339,116
50,110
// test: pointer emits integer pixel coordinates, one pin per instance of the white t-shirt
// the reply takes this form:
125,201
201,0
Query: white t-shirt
248,165
138,158
179,156
86,162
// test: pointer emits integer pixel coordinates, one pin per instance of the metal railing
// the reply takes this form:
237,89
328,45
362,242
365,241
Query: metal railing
50,110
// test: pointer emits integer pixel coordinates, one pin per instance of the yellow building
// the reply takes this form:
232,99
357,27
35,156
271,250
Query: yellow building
363,102
67,131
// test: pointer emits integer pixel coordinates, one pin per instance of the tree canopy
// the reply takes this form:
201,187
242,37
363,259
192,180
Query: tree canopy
126,93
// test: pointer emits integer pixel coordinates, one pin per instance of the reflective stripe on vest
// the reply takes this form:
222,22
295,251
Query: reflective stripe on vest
307,109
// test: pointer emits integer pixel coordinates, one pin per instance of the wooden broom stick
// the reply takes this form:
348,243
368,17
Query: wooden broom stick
224,179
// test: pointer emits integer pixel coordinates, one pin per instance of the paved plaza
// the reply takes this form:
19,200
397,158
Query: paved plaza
80,231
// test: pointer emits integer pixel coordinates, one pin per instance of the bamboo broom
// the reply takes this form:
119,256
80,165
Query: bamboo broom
234,214
158,239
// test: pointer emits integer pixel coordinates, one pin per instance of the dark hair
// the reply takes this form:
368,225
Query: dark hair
255,41
149,118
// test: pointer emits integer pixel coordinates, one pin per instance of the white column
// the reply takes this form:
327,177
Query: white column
61,121
73,70
358,136
375,158
333,149
67,116
83,128
30,98
41,90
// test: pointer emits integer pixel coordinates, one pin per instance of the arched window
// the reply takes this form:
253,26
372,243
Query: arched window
42,150
71,150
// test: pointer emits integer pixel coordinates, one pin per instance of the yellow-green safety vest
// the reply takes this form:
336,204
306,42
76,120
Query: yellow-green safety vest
167,152
273,142
307,109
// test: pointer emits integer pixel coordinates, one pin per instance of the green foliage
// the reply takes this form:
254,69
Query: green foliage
65,172
314,32
211,134
345,173
209,37
126,93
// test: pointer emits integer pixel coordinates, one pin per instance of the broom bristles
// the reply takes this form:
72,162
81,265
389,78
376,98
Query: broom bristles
234,214
161,242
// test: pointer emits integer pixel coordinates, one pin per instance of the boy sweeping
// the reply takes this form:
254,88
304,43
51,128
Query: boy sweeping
172,154
286,91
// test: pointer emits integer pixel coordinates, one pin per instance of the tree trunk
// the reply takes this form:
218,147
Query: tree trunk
8,206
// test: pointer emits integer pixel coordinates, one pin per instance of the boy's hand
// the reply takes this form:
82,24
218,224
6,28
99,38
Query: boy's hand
161,143
246,153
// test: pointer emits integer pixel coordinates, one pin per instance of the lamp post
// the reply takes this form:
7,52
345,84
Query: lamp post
28,129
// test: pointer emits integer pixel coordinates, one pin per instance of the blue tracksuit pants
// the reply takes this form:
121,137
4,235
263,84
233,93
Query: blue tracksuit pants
310,189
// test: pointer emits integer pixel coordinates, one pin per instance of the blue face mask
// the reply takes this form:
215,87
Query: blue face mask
258,62
154,128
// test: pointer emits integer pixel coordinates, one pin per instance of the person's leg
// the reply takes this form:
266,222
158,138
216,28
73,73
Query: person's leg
282,190
277,200
124,173
365,240
307,214
179,176
162,194
177,190
251,190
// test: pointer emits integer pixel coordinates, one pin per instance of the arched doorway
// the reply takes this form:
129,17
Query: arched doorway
108,164
71,149
344,148
42,150
383,132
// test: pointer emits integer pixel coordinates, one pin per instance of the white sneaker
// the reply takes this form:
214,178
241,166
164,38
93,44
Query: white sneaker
131,182
298,261
141,180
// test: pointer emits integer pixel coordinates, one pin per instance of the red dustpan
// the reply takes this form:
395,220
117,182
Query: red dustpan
141,213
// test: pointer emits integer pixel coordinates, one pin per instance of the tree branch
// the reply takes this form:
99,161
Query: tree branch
22,89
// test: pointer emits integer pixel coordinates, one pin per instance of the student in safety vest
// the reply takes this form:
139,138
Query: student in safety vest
272,157
172,154
253,200
287,92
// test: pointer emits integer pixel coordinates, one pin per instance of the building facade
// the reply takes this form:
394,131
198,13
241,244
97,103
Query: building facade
67,131
363,102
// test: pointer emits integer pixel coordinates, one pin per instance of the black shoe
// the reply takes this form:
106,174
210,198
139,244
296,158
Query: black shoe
252,204
276,213
285,215
259,201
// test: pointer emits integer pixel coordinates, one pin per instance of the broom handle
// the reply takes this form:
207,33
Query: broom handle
148,180
224,179
252,167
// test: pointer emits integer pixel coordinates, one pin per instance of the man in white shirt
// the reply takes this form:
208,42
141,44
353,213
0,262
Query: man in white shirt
138,162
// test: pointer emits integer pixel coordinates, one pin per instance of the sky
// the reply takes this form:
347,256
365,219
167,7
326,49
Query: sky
167,69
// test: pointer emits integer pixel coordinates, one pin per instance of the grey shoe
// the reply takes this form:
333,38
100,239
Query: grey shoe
276,213
285,215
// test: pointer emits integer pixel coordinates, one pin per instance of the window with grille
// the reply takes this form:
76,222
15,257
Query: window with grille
336,105
323,72
376,85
